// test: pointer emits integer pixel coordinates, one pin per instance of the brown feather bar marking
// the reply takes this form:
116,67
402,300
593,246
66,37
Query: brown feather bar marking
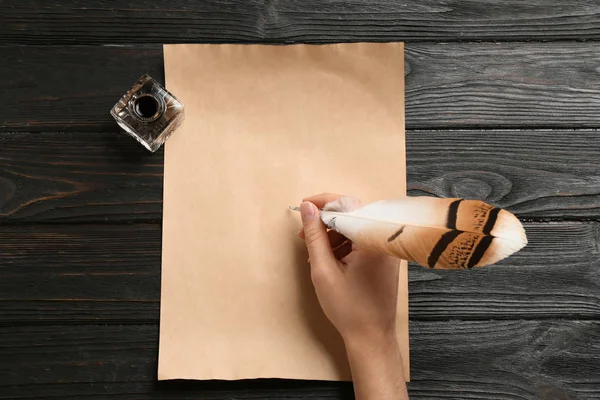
453,214
468,250
480,250
448,237
491,221
441,246
486,241
395,235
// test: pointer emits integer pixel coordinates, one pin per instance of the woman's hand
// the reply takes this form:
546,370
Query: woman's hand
358,292
357,289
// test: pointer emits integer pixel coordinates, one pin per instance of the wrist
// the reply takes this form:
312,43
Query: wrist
372,342
376,365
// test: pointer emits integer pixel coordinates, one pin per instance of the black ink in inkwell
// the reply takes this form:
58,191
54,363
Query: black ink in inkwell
149,113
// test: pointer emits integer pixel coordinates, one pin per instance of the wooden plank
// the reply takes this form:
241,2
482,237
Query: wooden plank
514,85
448,86
535,174
79,273
68,274
137,21
78,177
84,84
556,276
490,360
91,177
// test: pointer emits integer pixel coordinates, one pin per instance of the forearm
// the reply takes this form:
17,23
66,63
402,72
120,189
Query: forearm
376,365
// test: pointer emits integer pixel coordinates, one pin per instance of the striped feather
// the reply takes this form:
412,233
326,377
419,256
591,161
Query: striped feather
436,233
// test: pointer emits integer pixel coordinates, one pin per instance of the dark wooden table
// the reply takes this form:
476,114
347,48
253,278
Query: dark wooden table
502,104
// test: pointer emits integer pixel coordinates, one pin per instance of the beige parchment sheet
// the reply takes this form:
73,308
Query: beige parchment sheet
266,126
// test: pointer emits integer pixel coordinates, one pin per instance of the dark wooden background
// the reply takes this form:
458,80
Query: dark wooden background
502,104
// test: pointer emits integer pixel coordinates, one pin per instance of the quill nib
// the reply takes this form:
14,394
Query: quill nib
296,208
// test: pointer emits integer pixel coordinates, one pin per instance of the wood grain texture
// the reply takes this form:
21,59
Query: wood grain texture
59,88
513,85
535,174
70,177
140,21
77,274
109,177
448,86
550,360
69,274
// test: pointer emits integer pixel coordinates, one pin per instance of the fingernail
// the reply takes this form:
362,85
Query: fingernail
307,211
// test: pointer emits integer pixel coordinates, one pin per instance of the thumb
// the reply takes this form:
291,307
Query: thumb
315,235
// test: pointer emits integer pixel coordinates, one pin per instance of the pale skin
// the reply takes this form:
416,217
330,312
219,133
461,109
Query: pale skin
357,290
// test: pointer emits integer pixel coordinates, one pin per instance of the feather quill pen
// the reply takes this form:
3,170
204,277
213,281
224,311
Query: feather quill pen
436,233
